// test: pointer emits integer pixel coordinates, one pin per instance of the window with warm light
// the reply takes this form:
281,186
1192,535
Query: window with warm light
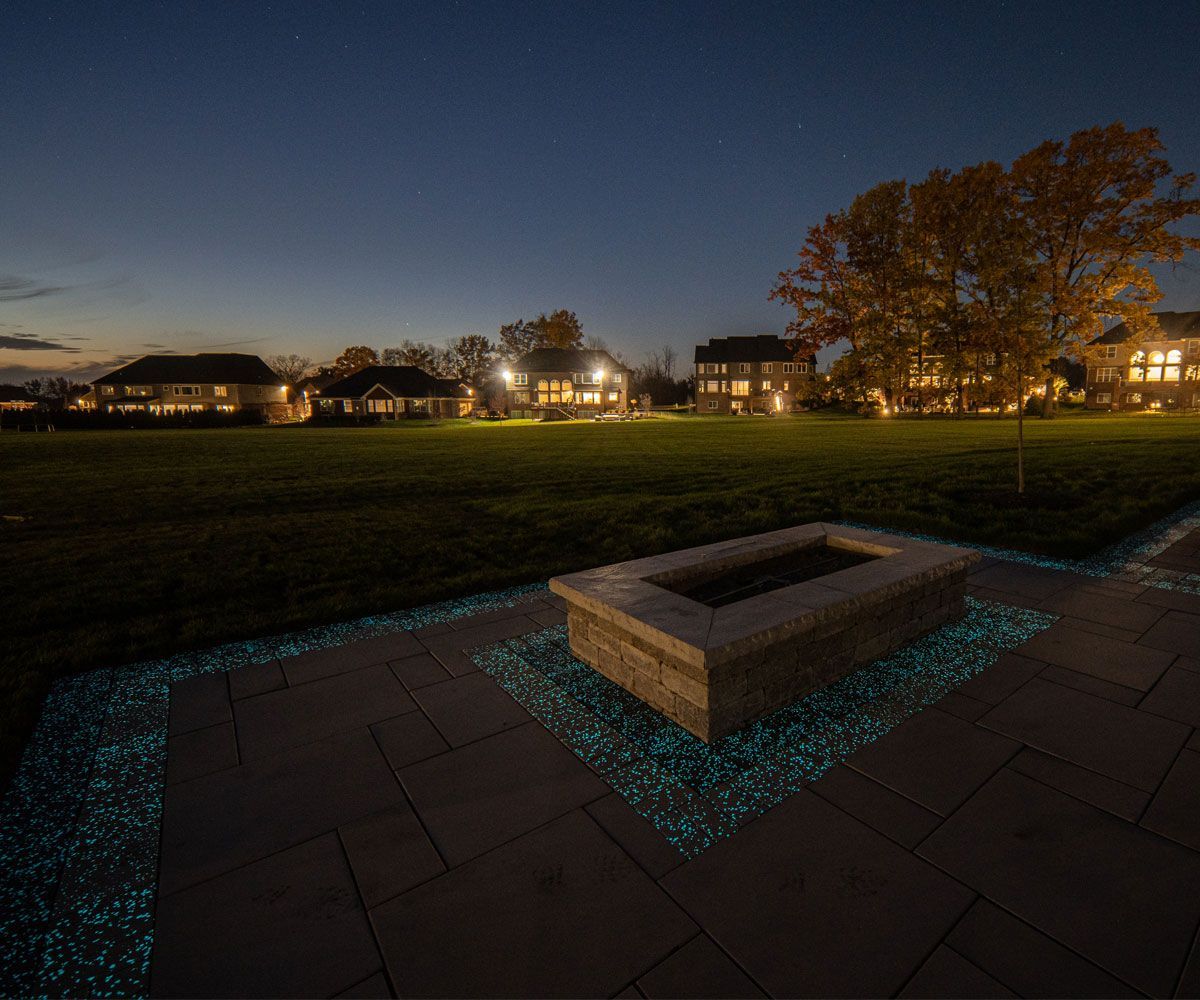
588,397
220,390
740,387
1107,374
614,397
712,386
1171,373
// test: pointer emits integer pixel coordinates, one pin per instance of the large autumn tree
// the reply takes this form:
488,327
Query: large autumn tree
561,328
354,359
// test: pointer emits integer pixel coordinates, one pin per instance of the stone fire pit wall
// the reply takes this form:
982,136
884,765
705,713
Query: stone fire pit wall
714,670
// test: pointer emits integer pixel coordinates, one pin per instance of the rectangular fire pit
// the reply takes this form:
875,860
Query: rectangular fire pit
717,636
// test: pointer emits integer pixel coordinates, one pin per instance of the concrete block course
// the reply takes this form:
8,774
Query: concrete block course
716,669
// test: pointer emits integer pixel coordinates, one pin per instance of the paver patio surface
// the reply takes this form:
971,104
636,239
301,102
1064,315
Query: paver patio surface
385,820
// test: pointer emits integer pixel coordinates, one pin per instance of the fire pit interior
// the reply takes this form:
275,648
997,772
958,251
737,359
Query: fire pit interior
765,575
718,636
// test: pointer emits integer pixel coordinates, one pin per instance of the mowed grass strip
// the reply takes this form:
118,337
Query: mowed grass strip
142,543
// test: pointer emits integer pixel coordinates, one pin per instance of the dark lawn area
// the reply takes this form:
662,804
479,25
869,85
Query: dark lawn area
136,544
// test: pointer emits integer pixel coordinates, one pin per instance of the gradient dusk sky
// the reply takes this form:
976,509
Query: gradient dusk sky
299,177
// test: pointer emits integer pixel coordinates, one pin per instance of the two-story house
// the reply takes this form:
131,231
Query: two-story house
173,383
759,374
393,392
1161,372
556,383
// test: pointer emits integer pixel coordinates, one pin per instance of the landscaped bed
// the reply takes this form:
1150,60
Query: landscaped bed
137,544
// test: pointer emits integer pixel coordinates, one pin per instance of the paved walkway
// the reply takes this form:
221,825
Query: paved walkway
382,819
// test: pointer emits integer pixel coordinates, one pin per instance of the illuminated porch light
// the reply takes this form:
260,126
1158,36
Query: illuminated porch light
507,375
597,376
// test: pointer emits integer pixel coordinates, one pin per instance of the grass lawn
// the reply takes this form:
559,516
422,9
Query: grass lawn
141,543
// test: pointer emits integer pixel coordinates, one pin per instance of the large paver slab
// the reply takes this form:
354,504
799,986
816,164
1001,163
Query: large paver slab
1132,664
558,912
1022,580
636,835
1105,793
450,648
389,853
290,925
469,708
214,824
947,974
198,702
1176,696
318,663
481,795
896,817
293,716
1117,610
420,670
698,969
201,752
1002,678
1175,810
1092,685
813,903
407,739
257,678
1176,632
935,759
1025,960
1123,898
1131,746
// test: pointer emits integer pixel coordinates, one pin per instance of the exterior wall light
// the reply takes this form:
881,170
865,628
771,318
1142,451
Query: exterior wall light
597,376
507,375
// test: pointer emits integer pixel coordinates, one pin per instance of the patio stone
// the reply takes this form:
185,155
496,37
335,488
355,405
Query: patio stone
198,702
418,671
257,678
369,989
1116,611
202,751
389,854
550,618
1027,961
1175,810
1177,632
1123,743
802,896
471,622
1105,793
698,969
1176,599
407,739
896,817
1176,696
479,796
995,683
449,648
947,974
1099,628
290,925
635,834
1093,685
469,708
319,663
935,759
595,919
214,824
963,706
1018,578
296,715
1133,664
1189,982
1123,898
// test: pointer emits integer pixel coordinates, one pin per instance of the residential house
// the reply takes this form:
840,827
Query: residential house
393,392
307,390
759,374
1161,372
175,383
556,383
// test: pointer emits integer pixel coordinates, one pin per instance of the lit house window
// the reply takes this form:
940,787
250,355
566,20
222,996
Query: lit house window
788,367
106,390
740,387
220,390
766,368
712,386
555,391
1154,372
520,378
587,398
614,397
1107,374
787,386
766,385
1137,367
1171,374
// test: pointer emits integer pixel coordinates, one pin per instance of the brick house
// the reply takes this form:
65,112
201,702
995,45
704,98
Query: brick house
1160,373
759,374
174,383
555,383
393,392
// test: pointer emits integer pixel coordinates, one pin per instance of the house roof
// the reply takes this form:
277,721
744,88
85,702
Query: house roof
1175,326
16,394
165,369
406,381
315,382
567,359
763,347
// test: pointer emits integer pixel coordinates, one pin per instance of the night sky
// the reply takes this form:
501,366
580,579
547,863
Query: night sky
300,177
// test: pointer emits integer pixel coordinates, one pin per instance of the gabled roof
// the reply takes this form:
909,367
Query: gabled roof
315,382
764,347
1175,326
567,359
405,381
165,369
